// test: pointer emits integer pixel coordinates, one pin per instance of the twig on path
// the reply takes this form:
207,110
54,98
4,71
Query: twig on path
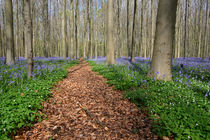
93,118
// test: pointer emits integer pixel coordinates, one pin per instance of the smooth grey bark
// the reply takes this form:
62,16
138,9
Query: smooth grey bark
76,28
205,47
46,26
110,41
162,56
91,29
128,24
28,36
96,43
200,28
185,27
64,30
17,30
133,32
10,54
72,29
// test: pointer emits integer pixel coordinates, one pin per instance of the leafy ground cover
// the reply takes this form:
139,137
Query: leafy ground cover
180,108
20,98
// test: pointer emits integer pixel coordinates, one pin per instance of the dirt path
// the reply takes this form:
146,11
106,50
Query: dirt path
85,107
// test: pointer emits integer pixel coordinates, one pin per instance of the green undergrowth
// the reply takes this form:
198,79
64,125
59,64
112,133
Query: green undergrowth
177,109
21,103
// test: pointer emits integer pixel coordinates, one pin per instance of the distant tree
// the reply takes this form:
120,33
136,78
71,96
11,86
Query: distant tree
46,25
28,36
77,29
10,55
110,41
200,27
72,29
17,44
128,24
64,30
205,47
91,29
162,56
133,32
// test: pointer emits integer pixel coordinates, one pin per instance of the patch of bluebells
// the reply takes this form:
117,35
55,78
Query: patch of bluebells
16,75
194,72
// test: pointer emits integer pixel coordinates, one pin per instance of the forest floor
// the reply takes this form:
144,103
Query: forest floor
83,106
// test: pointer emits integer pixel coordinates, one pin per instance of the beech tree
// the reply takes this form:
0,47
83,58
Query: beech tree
28,36
162,56
133,32
10,55
64,30
110,41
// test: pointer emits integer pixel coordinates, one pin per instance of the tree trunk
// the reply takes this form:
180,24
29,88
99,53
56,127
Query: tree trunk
72,29
133,32
142,24
64,28
118,28
205,47
162,56
17,30
110,40
76,28
85,29
10,55
185,27
91,30
128,24
28,36
46,27
96,43
152,26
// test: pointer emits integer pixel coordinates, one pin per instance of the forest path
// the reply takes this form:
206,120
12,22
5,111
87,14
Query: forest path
83,106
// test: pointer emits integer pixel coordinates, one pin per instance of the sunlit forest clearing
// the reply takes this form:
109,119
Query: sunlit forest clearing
104,69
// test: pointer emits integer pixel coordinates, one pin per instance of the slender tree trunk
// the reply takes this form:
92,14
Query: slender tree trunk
128,24
200,28
110,40
89,41
46,27
76,29
28,36
17,30
185,27
133,32
96,41
72,29
86,29
91,30
179,29
152,27
118,28
64,28
24,49
162,56
10,55
142,24
205,47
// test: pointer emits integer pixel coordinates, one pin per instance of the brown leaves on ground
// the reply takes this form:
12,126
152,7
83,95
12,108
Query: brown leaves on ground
85,107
